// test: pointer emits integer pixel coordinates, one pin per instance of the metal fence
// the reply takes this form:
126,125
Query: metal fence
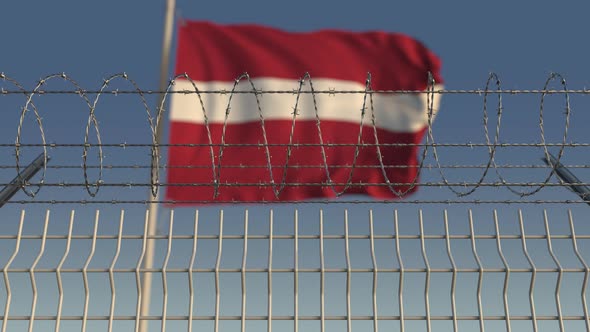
474,249
292,276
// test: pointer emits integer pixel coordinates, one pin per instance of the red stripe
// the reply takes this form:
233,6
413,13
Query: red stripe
210,52
277,132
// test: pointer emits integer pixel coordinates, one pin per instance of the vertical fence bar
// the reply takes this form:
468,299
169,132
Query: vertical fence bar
296,271
534,274
7,267
270,232
480,272
32,272
454,278
85,272
191,287
217,267
506,275
112,274
137,271
60,287
375,270
164,270
559,275
427,282
348,273
401,274
586,270
243,273
322,274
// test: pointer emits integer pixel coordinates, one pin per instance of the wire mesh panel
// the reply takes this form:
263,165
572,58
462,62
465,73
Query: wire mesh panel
492,240
299,270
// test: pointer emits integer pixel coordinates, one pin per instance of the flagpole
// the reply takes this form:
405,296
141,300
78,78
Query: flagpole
146,287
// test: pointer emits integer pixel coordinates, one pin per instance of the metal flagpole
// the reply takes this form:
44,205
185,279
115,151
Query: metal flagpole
12,188
569,178
153,206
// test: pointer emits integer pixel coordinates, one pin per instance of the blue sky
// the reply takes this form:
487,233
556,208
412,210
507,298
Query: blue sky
521,41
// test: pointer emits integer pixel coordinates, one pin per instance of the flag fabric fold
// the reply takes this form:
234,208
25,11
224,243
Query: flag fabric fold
300,124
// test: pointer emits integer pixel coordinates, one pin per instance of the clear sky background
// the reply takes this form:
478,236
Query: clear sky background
521,41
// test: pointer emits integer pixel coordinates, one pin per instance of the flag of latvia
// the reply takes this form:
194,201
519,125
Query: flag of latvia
300,124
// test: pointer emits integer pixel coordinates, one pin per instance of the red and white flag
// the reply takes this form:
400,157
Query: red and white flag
294,144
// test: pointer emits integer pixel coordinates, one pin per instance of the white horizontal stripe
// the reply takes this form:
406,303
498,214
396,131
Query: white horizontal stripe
394,112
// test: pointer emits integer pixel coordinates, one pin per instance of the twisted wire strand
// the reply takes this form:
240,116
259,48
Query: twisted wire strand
470,145
542,128
320,201
22,182
155,156
479,92
154,120
380,155
359,138
426,166
91,120
300,184
91,188
291,134
246,77
155,180
491,149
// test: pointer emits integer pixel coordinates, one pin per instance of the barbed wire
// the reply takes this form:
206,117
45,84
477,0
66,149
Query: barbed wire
426,166
295,92
295,202
367,121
